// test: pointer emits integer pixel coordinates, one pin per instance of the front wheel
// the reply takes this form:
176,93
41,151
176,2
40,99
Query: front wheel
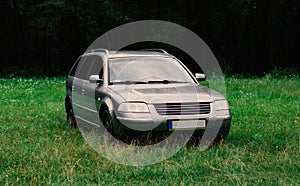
222,135
220,138
107,122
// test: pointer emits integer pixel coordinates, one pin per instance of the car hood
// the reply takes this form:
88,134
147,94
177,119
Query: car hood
166,93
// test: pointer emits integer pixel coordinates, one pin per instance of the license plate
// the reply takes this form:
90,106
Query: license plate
186,124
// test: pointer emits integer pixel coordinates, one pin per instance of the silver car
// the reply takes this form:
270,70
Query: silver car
140,91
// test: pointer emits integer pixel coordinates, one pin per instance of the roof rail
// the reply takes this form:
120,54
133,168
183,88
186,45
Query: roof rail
98,50
156,50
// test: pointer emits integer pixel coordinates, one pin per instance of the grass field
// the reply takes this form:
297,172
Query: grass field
263,146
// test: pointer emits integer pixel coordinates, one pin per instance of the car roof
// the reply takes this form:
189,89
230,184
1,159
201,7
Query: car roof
122,54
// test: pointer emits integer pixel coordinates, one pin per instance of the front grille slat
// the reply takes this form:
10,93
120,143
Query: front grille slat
183,108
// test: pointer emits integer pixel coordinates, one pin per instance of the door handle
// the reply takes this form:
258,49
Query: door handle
82,91
73,87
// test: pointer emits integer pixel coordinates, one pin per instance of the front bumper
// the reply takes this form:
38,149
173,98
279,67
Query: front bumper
154,122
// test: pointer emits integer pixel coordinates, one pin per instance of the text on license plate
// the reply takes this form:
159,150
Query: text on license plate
186,124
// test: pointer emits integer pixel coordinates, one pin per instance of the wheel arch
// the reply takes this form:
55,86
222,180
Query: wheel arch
106,104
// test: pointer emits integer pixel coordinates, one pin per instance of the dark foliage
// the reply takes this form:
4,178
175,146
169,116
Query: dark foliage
247,36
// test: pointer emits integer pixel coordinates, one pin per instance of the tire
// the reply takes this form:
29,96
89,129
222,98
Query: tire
220,138
195,138
71,121
222,135
108,122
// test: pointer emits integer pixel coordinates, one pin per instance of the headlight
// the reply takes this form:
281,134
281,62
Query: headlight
222,107
133,107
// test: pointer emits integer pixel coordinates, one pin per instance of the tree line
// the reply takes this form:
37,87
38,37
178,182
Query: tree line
246,36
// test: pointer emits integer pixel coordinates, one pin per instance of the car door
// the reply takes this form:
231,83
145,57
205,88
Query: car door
80,108
72,86
89,90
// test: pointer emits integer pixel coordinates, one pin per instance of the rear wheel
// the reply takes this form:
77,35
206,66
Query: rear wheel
71,121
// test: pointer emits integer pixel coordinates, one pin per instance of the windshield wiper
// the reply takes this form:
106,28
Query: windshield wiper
127,82
165,81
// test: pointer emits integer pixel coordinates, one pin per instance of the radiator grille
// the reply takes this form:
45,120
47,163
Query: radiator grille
183,108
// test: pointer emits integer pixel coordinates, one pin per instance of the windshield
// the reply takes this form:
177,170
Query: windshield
147,70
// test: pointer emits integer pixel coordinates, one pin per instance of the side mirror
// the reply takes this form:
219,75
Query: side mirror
95,79
200,77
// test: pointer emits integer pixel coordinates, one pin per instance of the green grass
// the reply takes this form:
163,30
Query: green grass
263,147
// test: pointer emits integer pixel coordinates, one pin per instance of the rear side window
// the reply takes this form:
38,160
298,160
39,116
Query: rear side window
89,65
73,70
